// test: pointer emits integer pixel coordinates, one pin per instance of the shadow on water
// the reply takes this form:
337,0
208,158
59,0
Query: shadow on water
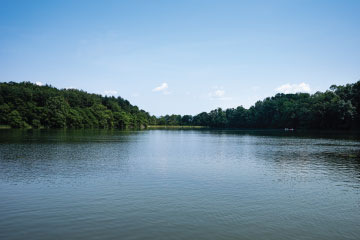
63,135
326,134
35,155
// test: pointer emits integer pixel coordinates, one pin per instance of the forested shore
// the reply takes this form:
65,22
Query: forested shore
27,105
337,108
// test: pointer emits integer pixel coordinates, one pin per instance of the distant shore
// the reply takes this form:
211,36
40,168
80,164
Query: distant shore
174,127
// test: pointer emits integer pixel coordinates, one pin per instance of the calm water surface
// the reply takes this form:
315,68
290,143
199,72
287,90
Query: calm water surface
173,184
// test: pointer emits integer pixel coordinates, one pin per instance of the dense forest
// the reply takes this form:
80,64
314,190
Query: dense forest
337,108
25,105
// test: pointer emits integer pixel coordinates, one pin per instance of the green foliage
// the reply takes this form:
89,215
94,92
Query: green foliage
57,111
338,108
4,112
16,121
23,105
74,119
36,123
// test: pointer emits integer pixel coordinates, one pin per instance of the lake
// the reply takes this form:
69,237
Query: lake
179,184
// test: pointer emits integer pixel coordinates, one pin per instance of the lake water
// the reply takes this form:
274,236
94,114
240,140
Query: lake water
179,184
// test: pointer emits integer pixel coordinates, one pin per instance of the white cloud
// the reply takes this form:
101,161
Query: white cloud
39,83
219,94
162,88
110,92
294,88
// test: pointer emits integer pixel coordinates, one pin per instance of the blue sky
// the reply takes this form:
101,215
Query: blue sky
182,57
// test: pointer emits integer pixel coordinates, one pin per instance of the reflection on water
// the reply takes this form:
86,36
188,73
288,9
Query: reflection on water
179,184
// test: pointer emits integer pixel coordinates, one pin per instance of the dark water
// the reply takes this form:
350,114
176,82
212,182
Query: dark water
160,184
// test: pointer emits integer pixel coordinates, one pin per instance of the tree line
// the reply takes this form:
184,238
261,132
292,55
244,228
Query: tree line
24,105
337,108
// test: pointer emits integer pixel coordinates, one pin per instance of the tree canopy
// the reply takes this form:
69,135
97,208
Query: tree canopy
24,105
337,108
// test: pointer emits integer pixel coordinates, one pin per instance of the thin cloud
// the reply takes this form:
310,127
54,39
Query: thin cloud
162,88
219,94
39,83
110,92
294,88
255,88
